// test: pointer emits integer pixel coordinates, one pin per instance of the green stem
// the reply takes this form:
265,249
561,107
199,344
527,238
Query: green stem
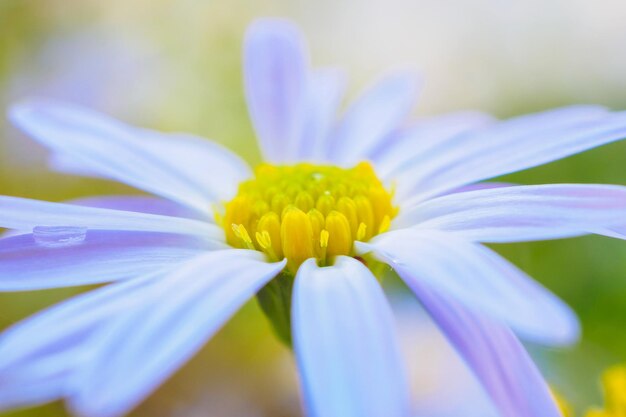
275,301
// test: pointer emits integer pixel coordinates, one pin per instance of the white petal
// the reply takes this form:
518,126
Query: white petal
480,279
189,170
39,337
162,333
141,204
325,92
275,70
38,357
506,147
407,146
27,393
101,256
25,214
380,110
493,353
522,213
345,343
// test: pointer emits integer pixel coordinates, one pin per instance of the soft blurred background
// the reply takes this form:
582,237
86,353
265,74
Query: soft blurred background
175,65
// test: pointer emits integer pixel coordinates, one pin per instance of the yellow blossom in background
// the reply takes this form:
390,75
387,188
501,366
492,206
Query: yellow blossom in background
564,406
614,386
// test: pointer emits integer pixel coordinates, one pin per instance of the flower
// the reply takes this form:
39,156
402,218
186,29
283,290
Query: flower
614,387
381,193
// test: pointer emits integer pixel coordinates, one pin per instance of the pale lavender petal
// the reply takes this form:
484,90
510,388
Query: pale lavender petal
25,214
164,331
522,213
345,343
39,338
325,92
506,147
17,393
186,169
69,164
38,357
32,261
493,353
380,110
275,72
479,186
407,146
480,279
140,204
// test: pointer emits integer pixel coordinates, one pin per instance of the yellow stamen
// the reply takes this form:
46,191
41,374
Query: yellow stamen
242,234
384,225
307,211
324,236
360,233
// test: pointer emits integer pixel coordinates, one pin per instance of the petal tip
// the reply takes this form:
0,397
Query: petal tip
273,29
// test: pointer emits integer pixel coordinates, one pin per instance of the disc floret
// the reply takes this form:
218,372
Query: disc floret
307,211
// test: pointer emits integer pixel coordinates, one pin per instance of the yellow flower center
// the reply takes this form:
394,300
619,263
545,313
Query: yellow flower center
307,211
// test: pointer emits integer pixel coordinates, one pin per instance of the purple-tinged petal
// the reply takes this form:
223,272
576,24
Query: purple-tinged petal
28,392
183,168
479,186
380,110
493,353
345,343
275,72
506,147
25,214
523,213
29,263
325,92
40,338
166,329
480,279
38,358
140,204
409,144
69,164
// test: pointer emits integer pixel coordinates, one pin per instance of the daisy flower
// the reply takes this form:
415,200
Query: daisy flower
335,199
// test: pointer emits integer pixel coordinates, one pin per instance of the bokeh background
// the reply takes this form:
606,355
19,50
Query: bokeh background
175,65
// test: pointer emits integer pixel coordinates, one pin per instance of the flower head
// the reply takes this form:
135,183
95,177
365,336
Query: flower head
332,198
307,211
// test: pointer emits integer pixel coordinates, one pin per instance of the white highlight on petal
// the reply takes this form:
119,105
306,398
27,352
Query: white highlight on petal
478,278
345,343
